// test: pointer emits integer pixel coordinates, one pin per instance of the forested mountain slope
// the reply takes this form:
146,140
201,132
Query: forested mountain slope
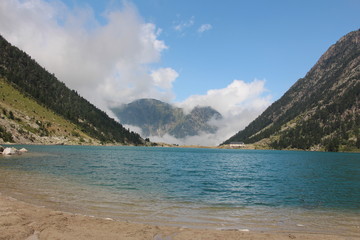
28,77
23,120
320,111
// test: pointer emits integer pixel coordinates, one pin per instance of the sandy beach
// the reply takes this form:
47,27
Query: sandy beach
20,220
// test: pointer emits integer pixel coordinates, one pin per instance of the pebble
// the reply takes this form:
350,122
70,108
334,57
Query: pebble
244,230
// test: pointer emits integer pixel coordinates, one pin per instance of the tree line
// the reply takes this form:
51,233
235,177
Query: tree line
33,80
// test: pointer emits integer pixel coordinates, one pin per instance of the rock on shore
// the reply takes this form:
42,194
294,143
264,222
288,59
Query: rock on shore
12,151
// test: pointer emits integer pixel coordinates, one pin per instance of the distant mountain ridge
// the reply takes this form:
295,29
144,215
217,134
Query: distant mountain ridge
35,83
157,118
320,111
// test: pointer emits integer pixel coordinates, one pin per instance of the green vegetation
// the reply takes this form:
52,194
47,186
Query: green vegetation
6,136
320,111
33,81
25,116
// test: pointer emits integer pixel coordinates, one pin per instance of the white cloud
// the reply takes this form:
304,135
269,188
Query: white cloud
166,139
204,28
239,103
231,100
107,63
164,77
182,25
203,139
133,128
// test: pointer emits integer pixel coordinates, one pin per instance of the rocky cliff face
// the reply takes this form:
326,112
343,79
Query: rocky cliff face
195,122
157,118
320,111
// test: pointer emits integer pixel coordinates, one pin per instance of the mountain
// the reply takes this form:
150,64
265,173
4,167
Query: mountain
152,116
320,111
25,78
157,118
195,122
23,120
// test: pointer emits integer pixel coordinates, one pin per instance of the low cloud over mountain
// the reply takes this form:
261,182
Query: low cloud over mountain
110,61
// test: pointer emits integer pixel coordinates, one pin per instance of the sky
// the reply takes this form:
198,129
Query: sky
236,56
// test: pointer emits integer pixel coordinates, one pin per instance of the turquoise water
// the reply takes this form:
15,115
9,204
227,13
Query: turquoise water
253,189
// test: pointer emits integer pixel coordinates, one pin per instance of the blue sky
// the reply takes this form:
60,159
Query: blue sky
278,41
235,56
274,40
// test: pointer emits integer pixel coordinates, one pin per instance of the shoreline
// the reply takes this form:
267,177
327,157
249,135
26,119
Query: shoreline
24,218
167,145
21,220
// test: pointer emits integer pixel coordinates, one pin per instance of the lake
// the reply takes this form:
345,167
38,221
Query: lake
205,188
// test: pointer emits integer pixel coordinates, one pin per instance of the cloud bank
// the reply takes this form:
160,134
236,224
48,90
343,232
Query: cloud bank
239,103
109,62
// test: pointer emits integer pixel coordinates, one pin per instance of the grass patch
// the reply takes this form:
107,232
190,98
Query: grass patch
33,117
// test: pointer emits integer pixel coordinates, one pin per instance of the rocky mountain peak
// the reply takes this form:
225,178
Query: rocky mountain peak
157,118
319,111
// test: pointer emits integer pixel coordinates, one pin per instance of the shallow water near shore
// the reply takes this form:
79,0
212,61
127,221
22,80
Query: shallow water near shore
205,188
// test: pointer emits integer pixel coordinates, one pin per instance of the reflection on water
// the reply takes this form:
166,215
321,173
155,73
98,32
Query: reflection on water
256,190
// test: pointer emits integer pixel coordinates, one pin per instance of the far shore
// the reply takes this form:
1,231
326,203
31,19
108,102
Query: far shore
20,220
161,144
